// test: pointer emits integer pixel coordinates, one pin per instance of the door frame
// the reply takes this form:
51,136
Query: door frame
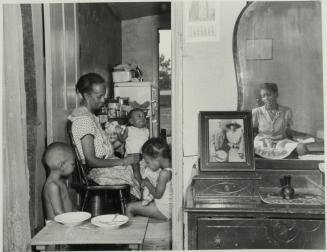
177,113
177,124
48,73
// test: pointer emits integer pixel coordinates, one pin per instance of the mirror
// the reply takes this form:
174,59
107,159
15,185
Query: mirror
281,42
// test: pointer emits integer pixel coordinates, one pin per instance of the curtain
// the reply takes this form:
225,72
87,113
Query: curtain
16,224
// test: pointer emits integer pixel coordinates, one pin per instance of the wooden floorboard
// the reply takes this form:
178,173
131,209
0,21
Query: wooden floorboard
158,236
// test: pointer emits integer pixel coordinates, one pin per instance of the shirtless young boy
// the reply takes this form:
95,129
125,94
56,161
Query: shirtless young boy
59,161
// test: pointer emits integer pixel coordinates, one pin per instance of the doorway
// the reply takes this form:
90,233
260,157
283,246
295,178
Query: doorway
165,83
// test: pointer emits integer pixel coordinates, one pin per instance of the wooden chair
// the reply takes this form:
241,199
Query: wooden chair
84,186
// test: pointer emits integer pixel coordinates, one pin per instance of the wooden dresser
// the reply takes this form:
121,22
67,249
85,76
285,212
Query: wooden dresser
238,211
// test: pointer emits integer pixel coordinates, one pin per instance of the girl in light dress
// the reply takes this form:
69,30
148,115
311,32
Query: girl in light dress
134,136
156,154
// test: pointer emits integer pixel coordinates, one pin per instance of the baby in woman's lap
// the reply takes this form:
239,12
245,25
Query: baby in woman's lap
134,136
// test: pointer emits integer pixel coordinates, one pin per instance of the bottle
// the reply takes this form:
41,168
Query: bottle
139,74
287,191
103,115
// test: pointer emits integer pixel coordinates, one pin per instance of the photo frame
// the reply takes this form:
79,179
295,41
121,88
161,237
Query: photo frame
226,141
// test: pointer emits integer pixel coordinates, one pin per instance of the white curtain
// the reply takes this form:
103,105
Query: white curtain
16,224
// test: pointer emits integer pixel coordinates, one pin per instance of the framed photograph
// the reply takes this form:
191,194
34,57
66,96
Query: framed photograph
226,141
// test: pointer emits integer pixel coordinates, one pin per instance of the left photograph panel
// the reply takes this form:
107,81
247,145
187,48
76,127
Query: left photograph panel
87,126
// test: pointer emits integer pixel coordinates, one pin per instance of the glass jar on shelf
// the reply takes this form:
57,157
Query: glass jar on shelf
113,109
103,115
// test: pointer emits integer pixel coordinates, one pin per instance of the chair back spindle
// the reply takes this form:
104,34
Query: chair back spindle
82,168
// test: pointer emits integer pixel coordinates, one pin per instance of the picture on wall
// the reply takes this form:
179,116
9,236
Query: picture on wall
201,21
226,141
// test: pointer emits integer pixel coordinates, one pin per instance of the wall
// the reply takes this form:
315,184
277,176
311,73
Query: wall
35,107
209,81
100,40
61,67
41,114
140,43
296,62
30,89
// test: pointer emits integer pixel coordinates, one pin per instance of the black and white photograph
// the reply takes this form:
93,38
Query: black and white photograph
227,140
163,125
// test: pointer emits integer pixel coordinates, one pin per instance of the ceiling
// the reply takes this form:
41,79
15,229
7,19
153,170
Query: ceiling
130,10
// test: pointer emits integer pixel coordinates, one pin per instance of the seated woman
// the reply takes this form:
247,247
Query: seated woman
234,135
92,143
273,123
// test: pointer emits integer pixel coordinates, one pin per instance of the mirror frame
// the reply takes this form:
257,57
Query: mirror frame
261,163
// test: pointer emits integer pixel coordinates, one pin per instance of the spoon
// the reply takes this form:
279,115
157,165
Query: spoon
110,223
116,215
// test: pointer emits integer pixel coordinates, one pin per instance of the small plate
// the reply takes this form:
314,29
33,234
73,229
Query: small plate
109,220
72,218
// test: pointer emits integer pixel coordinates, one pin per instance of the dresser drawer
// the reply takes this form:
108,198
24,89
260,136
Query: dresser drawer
233,191
242,233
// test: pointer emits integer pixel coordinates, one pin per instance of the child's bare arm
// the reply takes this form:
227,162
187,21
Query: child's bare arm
159,190
121,134
54,197
136,172
125,134
66,200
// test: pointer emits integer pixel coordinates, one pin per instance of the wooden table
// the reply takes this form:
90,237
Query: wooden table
131,233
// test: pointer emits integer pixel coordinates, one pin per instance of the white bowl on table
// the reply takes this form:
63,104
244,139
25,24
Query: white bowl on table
72,218
109,220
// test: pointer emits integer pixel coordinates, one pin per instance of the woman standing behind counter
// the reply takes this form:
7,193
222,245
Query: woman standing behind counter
92,144
273,123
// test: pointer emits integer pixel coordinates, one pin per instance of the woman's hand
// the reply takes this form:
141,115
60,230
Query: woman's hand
132,159
91,159
119,130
